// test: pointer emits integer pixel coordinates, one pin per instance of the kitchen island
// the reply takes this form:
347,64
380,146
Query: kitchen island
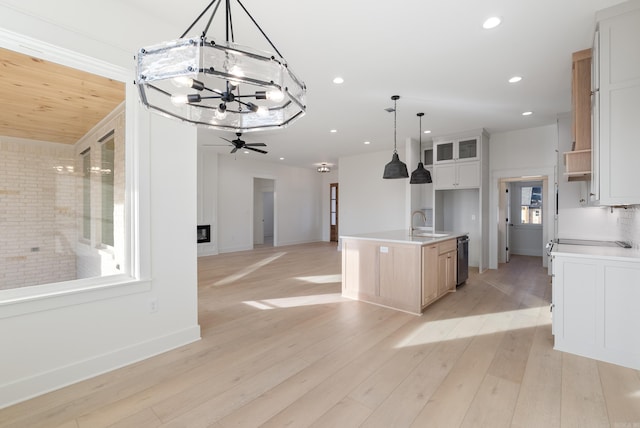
399,270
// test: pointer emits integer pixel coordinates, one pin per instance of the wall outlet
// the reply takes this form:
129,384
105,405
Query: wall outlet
153,305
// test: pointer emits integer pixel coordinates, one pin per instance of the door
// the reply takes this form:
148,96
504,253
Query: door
263,212
508,223
333,212
526,220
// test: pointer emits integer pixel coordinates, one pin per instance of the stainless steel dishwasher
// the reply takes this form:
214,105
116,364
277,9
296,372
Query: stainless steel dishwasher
463,260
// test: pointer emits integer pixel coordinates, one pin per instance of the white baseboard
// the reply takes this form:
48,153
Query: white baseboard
42,383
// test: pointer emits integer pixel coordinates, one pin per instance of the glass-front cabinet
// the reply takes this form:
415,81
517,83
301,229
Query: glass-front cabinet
457,150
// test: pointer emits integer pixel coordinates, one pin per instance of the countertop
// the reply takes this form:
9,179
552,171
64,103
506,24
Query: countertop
403,236
611,253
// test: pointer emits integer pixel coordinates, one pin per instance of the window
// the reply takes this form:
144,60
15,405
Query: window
86,194
107,171
62,175
531,205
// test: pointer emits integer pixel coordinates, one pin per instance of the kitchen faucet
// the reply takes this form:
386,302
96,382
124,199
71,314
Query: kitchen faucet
424,219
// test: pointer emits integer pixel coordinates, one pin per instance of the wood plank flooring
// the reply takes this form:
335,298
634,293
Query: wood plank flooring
280,347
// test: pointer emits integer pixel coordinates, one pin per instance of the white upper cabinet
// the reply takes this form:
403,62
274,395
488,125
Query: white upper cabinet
457,150
616,106
457,163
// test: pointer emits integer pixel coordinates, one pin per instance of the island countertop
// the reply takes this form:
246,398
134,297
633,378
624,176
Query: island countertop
420,237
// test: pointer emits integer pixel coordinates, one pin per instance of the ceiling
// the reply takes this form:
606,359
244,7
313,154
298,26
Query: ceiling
40,100
434,54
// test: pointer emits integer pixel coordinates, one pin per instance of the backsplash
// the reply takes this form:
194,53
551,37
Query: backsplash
629,224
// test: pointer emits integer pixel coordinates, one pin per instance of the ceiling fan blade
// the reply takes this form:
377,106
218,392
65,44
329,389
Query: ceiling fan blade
256,150
256,144
226,140
235,149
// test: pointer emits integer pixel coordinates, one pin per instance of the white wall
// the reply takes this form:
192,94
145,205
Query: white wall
368,203
53,341
515,154
297,202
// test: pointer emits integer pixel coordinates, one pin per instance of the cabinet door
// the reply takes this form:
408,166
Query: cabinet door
443,269
429,274
575,301
468,174
452,263
444,151
467,149
619,109
444,176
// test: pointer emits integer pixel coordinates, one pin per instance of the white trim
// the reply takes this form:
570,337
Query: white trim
137,260
548,206
41,49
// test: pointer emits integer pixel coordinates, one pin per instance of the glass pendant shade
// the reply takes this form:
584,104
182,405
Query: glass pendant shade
219,84
396,168
420,175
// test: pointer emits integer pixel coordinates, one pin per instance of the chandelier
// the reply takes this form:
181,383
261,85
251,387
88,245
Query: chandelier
324,168
220,84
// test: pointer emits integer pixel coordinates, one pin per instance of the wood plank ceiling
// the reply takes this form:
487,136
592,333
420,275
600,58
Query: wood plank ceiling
41,100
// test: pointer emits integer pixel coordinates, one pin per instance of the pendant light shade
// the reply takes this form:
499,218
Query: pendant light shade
420,175
396,168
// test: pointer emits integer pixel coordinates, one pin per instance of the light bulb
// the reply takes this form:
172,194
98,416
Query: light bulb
184,99
262,111
221,112
275,96
179,99
236,71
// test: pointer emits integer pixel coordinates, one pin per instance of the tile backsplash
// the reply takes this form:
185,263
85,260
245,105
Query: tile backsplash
629,224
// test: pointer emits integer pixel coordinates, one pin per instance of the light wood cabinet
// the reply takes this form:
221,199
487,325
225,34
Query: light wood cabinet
429,280
447,261
439,264
578,161
407,277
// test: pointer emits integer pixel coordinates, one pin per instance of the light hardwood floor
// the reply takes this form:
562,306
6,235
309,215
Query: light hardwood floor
281,347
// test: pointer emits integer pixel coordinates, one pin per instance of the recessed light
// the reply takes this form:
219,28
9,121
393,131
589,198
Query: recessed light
367,142
492,22
246,152
281,158
527,113
338,80
515,79
427,131
333,131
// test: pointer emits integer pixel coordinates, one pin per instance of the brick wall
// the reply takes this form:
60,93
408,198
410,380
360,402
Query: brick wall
41,209
37,213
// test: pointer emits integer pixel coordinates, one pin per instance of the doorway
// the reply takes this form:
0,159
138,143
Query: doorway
264,212
522,213
333,212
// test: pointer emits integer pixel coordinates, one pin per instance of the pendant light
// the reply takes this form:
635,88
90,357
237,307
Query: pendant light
396,168
420,175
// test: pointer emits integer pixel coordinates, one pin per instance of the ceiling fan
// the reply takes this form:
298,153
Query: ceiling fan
241,144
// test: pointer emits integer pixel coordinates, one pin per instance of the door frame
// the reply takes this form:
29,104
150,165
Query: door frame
255,212
548,177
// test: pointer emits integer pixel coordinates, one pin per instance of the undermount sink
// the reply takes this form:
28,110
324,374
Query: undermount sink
429,234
